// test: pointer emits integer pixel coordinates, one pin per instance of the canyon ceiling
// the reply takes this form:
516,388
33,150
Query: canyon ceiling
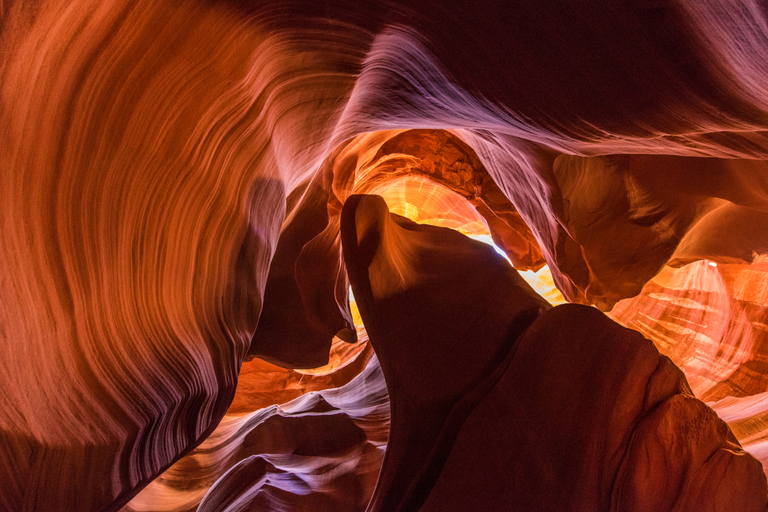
385,256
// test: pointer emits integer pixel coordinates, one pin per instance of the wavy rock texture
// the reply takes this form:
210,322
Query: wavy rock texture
640,211
159,156
319,451
711,321
568,410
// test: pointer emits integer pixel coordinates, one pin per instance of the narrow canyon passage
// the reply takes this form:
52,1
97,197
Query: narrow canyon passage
383,256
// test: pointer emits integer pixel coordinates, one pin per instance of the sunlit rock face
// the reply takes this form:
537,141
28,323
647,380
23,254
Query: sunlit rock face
174,284
568,408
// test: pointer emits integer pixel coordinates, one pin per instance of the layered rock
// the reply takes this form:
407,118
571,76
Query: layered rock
513,412
154,154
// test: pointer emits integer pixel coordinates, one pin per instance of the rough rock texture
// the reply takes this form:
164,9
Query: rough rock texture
155,155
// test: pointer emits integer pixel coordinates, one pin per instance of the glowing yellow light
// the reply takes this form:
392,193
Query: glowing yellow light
541,280
542,283
411,212
356,318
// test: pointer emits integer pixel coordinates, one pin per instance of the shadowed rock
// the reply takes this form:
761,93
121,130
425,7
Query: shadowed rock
579,413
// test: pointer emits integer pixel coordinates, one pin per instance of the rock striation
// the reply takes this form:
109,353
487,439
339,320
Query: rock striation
173,182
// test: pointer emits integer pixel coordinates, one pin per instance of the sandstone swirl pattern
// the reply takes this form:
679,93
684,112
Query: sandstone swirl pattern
154,151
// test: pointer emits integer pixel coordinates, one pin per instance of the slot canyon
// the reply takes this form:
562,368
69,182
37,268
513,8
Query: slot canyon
383,256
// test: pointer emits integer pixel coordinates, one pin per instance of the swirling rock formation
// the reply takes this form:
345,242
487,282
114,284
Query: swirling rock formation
435,358
172,181
513,412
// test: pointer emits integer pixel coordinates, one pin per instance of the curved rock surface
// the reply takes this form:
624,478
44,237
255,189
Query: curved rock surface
615,427
508,411
427,315
173,175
